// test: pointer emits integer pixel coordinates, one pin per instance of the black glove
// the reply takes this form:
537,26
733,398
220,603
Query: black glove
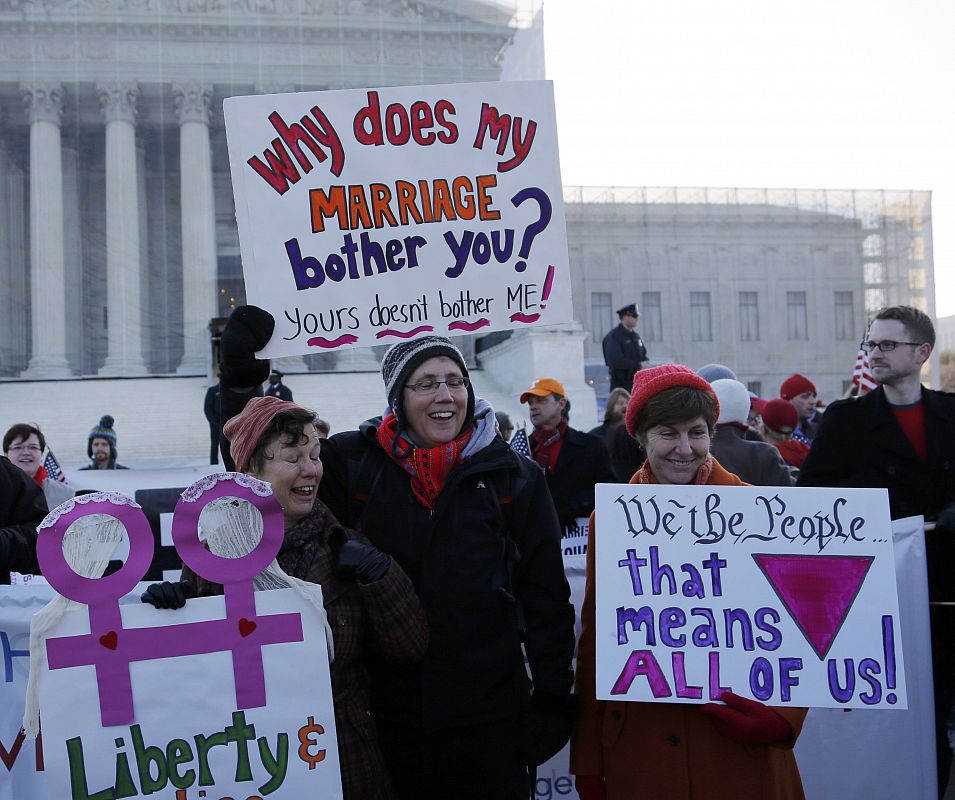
248,330
362,561
168,594
547,726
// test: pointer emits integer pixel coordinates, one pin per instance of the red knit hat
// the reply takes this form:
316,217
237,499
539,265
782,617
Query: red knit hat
780,415
648,383
244,430
795,385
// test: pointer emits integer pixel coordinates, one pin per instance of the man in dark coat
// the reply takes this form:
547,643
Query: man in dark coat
276,388
22,508
901,436
572,460
624,351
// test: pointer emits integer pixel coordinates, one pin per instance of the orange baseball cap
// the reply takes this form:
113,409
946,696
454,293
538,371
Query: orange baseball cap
543,387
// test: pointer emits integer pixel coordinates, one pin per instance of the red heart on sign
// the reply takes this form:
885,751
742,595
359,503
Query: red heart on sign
246,626
109,640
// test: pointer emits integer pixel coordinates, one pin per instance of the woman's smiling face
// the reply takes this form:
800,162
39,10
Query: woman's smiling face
676,451
294,469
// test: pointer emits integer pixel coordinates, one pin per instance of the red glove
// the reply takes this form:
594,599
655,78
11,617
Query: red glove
590,787
748,721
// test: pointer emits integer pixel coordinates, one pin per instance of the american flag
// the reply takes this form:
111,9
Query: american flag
520,444
53,468
861,374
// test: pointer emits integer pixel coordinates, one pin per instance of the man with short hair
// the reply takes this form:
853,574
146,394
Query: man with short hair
901,436
573,461
624,351
101,446
801,392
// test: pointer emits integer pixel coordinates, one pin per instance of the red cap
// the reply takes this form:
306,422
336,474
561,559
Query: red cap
795,385
780,415
648,383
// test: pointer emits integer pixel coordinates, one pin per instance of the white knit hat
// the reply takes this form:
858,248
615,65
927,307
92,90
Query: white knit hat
734,401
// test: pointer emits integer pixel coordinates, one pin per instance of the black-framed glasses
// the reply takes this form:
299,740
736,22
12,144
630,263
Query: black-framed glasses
887,346
431,387
33,448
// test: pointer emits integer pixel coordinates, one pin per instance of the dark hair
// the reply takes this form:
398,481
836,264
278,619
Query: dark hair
917,323
615,395
504,421
322,427
288,427
677,405
23,430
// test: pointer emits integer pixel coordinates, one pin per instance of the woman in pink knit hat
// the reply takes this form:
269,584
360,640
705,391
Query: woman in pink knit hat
368,598
627,750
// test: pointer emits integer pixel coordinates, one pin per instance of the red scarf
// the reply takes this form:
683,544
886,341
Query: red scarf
428,467
546,446
40,476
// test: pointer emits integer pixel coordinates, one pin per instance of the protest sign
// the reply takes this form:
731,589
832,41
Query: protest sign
784,595
207,702
370,216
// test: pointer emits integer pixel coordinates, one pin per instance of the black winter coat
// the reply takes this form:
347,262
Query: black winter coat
860,443
624,351
456,557
22,508
757,463
583,462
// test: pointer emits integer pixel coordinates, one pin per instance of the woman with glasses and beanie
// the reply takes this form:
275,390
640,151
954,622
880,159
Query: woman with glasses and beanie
473,525
624,750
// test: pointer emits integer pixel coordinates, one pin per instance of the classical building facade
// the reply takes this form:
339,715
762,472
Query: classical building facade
117,228
768,282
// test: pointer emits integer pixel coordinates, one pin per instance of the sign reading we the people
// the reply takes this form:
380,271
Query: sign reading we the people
370,216
784,595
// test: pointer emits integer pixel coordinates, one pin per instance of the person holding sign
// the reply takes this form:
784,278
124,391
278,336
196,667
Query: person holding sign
368,598
624,750
473,524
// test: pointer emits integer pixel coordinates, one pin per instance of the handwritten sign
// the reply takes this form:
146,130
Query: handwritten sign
135,700
787,596
370,216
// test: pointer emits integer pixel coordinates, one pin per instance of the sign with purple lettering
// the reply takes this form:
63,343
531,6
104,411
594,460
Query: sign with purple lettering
369,216
206,701
785,595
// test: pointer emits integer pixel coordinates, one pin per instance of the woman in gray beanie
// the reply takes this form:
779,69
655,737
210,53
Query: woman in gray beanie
473,525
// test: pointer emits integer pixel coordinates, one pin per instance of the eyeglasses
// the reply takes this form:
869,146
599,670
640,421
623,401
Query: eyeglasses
431,387
887,346
33,448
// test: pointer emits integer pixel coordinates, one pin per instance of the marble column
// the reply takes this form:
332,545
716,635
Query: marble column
125,325
199,267
44,105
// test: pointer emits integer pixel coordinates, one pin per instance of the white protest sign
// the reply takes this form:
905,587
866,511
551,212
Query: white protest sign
375,215
785,595
189,739
573,542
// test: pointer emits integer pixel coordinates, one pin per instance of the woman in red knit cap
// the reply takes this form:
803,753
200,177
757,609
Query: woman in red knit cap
630,751
368,598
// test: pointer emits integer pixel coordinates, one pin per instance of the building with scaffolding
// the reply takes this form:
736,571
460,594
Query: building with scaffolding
767,281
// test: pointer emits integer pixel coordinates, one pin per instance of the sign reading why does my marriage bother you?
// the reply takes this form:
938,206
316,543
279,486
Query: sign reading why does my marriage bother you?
785,595
375,215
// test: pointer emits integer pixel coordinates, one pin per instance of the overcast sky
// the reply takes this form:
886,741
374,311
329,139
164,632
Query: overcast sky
750,93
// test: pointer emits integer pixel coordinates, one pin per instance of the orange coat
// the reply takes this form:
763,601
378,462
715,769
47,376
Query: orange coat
659,751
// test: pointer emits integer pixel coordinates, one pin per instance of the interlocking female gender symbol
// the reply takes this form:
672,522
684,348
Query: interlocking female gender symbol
111,647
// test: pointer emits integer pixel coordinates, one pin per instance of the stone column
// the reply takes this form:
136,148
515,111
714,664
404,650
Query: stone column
199,267
125,324
44,105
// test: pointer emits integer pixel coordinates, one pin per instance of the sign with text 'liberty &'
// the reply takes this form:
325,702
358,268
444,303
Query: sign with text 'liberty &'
371,216
785,595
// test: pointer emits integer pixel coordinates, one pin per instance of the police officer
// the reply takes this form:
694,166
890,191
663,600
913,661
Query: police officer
624,351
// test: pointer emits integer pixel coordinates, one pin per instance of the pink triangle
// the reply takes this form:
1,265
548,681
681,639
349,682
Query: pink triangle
817,591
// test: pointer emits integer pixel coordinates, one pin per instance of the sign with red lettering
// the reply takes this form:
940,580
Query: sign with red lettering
787,596
371,216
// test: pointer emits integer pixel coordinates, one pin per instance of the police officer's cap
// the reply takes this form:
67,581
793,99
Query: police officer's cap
632,310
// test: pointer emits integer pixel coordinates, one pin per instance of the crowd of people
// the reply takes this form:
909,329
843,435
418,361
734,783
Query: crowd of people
438,547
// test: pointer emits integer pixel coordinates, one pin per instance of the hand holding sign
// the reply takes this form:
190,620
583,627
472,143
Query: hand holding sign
747,721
